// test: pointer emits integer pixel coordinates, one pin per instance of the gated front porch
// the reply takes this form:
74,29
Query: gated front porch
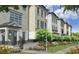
10,33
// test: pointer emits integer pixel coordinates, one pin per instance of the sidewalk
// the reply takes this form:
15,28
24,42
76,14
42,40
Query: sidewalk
36,52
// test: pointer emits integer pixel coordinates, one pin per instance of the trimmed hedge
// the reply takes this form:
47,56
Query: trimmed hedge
42,33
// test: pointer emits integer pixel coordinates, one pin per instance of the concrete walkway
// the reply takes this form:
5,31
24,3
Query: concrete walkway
36,52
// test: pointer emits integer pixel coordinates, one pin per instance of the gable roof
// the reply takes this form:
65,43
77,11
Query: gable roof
53,14
10,25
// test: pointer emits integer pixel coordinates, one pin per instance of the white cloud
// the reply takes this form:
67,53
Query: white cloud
61,14
67,14
50,7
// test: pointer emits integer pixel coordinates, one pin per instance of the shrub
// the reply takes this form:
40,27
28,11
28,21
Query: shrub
74,50
5,50
57,38
66,38
41,35
73,38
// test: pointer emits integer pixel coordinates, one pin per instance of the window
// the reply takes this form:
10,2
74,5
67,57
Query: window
23,35
41,13
62,31
56,20
53,28
56,28
41,24
52,19
37,23
16,17
45,14
37,11
45,25
62,23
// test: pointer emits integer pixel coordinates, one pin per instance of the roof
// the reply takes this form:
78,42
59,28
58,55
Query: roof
10,25
43,7
53,13
60,18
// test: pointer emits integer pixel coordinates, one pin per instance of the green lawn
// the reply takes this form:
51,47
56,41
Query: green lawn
60,47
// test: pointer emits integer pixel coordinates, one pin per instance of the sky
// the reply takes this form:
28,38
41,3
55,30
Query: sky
71,17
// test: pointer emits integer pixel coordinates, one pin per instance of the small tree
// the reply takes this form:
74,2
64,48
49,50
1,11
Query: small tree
41,35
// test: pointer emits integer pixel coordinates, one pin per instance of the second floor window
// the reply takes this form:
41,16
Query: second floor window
37,23
41,13
37,11
45,25
42,24
62,23
16,17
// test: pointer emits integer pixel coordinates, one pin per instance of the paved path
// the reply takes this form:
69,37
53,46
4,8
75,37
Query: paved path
36,52
30,44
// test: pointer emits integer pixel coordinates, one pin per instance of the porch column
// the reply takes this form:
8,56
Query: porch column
17,36
6,35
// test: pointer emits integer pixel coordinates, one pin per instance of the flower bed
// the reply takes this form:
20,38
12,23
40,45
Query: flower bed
74,50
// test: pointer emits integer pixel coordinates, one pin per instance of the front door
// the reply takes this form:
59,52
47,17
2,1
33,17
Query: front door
13,38
3,39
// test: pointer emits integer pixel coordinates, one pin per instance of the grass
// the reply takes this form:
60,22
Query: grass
60,47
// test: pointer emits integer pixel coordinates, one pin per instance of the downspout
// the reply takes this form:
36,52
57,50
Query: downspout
28,22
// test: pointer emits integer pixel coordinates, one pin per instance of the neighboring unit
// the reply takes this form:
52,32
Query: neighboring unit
14,25
57,25
52,24
37,19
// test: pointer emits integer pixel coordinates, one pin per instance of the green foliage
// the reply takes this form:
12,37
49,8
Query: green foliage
66,38
60,38
75,35
41,35
56,38
5,8
71,7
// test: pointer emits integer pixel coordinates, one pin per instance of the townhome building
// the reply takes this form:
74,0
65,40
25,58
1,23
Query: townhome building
69,29
37,19
23,23
64,28
14,25
57,25
52,24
